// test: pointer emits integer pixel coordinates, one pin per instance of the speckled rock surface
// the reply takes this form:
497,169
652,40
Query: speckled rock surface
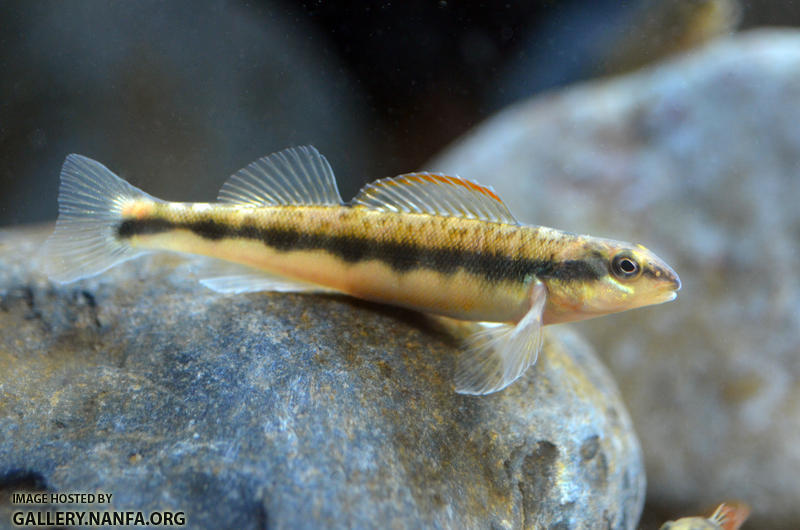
291,411
698,159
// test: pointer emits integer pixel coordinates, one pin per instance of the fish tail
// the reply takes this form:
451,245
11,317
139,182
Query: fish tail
91,201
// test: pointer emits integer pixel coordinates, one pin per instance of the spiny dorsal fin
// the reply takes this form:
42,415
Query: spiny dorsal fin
730,515
297,175
435,194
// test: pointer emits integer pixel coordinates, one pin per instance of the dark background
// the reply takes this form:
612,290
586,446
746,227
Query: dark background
175,96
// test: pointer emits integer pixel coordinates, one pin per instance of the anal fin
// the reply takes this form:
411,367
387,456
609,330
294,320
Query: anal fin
500,353
233,278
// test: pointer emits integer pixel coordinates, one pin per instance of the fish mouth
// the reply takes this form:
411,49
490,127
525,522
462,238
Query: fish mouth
669,278
670,285
672,289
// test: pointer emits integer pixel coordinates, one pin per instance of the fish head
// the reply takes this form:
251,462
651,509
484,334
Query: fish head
614,276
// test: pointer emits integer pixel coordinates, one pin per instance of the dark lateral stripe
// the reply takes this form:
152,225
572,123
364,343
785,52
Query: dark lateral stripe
401,256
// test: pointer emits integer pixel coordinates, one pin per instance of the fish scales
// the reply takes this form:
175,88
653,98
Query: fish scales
427,241
493,263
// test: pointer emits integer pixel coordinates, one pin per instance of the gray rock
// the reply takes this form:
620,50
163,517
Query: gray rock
697,159
291,411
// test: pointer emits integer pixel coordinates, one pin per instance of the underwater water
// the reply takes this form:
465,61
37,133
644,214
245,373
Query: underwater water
668,123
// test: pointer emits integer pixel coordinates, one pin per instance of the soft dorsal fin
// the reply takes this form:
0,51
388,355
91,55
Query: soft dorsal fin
435,194
297,175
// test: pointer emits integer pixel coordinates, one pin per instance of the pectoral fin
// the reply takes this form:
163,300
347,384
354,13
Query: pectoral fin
497,355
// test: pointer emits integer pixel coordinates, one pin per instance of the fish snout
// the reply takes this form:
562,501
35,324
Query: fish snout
664,273
673,277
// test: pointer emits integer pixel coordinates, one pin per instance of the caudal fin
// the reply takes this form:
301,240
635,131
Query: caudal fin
90,203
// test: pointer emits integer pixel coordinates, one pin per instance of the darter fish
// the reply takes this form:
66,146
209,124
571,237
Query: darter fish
427,241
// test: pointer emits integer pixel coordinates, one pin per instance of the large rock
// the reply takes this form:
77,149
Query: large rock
290,410
697,159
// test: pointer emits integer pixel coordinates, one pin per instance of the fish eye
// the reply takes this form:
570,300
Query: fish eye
625,267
